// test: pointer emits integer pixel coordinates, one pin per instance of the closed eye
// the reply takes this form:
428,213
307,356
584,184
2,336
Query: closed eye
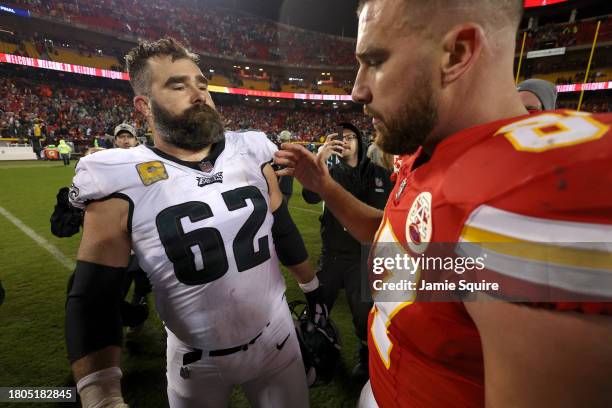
373,57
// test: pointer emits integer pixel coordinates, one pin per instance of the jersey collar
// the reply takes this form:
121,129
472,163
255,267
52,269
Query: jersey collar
214,153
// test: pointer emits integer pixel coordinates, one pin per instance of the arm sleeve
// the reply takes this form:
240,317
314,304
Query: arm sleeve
547,246
311,197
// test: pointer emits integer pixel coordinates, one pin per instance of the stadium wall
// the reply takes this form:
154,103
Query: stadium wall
16,153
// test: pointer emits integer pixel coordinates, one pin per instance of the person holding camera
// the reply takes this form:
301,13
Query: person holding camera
345,153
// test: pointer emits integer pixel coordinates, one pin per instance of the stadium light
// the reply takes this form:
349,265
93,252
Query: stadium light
247,67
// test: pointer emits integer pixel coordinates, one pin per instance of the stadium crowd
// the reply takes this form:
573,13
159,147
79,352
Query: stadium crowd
62,111
210,30
81,113
227,33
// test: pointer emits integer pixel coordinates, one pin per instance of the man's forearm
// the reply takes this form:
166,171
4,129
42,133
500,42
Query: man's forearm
302,272
361,220
98,379
96,361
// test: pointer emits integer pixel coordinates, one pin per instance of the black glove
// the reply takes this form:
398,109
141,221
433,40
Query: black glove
317,310
65,220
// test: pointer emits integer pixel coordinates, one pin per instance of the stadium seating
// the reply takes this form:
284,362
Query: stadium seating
256,84
208,30
73,57
8,48
565,35
79,113
232,34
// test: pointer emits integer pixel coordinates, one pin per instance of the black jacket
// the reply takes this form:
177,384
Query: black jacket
369,183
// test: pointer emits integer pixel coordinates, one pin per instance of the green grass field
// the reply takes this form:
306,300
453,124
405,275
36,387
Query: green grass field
32,351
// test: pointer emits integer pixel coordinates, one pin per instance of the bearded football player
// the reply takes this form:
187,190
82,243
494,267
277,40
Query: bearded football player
203,212
437,79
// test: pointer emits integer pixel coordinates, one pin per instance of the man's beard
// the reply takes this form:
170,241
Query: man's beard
406,132
194,129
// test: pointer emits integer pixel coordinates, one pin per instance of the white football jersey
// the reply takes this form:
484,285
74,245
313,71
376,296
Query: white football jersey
202,233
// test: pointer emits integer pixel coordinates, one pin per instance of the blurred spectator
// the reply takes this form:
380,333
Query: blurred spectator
538,95
64,151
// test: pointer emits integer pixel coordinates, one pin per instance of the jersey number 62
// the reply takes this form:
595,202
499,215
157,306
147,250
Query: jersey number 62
178,244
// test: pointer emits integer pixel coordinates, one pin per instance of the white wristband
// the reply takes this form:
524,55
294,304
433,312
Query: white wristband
310,286
102,389
111,373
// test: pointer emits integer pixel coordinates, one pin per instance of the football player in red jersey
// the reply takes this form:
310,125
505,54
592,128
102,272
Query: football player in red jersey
437,79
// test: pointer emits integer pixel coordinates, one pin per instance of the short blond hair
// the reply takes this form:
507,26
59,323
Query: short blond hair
487,12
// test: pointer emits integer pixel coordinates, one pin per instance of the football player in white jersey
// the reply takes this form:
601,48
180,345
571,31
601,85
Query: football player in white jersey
204,214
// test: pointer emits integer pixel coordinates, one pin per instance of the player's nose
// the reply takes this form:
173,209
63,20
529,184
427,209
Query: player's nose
361,92
197,96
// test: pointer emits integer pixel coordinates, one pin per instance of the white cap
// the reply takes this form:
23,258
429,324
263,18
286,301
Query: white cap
285,136
124,127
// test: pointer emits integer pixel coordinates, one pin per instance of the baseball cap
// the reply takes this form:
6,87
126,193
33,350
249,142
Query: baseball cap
285,136
124,127
544,90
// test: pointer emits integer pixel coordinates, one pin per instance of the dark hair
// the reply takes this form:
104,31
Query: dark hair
136,60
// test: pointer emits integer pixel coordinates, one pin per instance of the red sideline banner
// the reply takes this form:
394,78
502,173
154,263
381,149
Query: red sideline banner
592,86
280,95
540,3
105,73
62,66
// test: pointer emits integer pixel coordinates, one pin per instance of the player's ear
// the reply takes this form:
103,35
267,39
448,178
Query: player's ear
141,103
462,46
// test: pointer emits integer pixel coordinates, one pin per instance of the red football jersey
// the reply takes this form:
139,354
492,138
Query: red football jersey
539,180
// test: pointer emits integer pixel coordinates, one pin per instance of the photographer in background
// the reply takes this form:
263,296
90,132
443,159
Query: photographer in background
340,261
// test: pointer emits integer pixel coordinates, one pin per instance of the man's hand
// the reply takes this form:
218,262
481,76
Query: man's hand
310,170
361,220
65,220
331,146
317,310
